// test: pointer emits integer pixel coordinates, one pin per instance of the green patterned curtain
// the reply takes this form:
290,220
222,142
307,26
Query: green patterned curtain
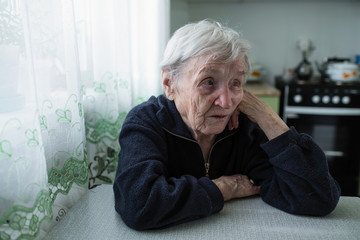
69,73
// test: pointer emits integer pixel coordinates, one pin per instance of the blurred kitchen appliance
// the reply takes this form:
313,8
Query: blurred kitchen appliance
338,69
330,112
304,70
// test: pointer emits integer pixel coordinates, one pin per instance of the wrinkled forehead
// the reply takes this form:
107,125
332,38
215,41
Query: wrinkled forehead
207,63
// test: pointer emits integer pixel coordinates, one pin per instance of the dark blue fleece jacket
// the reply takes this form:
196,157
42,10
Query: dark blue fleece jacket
161,178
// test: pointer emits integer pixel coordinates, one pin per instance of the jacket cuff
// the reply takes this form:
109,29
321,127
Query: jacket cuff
216,197
278,144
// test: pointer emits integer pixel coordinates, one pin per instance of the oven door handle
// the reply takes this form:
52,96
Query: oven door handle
292,116
294,111
334,153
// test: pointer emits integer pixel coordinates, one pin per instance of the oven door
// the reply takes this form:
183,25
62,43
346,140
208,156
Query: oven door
337,132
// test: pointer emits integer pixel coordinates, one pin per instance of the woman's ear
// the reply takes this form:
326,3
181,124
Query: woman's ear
168,84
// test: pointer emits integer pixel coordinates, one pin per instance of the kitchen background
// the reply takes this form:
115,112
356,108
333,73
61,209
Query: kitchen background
274,27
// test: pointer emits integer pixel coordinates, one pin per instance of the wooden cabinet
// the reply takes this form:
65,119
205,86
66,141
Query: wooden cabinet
265,92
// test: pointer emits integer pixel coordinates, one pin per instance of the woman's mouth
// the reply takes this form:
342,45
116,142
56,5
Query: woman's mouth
219,116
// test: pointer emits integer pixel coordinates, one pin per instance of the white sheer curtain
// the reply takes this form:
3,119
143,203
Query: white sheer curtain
70,70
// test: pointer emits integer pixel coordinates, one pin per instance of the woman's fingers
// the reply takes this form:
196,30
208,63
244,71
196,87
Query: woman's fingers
236,186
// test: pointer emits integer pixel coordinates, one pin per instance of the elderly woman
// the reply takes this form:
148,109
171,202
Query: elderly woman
207,141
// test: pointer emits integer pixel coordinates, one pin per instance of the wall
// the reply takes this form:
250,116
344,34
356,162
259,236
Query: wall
179,14
274,27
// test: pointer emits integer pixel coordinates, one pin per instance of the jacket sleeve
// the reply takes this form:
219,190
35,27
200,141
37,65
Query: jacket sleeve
301,182
145,196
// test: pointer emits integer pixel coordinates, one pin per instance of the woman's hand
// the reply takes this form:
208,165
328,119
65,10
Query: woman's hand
260,113
236,186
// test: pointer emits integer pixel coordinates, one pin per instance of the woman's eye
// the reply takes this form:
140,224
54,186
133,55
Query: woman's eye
208,82
236,83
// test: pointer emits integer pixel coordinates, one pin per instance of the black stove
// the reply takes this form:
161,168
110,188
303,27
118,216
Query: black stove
330,113
320,93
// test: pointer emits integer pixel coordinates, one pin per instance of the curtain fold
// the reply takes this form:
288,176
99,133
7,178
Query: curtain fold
69,73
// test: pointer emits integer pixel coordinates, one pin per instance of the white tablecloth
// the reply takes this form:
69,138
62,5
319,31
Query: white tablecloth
94,217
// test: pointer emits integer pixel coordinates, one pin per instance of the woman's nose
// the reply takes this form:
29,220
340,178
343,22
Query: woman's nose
224,98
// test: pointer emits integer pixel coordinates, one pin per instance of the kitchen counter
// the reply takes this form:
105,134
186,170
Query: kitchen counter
94,217
262,89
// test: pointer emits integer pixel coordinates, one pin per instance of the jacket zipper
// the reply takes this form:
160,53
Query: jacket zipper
206,161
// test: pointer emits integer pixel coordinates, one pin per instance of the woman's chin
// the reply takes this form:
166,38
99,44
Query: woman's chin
214,129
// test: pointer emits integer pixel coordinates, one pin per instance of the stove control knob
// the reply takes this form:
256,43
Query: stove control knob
315,99
326,99
297,98
345,100
335,99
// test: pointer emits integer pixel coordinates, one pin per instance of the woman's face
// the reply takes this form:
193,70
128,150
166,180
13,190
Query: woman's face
207,93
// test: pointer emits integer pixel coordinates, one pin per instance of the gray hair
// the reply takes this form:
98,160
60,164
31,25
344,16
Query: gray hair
205,37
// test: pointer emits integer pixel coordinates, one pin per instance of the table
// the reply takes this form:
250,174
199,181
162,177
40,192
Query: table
94,217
